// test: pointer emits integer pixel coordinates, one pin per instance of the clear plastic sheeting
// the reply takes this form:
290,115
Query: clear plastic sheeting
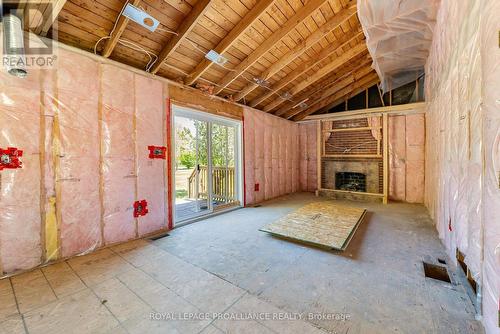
398,37
463,141
84,129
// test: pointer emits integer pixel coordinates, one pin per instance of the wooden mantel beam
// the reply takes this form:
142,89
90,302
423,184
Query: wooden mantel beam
262,49
235,33
184,29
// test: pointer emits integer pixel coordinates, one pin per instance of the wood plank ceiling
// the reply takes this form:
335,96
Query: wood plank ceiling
286,57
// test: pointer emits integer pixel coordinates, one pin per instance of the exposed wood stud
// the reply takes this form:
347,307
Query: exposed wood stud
385,138
320,151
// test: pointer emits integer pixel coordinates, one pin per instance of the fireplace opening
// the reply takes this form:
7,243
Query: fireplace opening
350,181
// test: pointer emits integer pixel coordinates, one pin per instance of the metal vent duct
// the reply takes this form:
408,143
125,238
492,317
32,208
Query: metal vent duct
13,45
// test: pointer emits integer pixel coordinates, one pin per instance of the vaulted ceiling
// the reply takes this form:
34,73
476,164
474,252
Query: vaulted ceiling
286,57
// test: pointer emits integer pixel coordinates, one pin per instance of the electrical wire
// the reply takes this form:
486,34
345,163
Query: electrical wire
153,58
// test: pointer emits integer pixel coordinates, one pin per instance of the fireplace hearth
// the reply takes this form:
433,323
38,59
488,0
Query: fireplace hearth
350,181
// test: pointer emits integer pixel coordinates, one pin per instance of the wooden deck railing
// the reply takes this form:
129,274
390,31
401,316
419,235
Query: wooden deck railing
223,184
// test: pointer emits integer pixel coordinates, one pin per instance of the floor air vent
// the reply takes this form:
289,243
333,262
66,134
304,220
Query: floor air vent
159,236
436,272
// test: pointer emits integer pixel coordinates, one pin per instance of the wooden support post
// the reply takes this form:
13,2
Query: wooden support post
385,126
319,148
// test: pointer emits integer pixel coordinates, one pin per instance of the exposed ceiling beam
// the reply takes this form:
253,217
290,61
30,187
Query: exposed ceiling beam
184,29
350,77
120,26
57,6
233,35
306,66
310,95
321,73
302,47
365,82
296,19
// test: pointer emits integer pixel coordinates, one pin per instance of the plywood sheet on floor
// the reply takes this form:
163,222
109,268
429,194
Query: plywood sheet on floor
323,224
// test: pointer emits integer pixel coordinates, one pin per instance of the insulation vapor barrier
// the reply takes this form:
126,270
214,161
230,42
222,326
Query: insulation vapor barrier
398,36
463,142
84,129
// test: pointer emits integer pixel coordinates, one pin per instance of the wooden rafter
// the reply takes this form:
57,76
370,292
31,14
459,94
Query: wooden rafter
367,81
321,73
306,66
345,76
184,29
115,34
235,33
290,24
302,47
50,16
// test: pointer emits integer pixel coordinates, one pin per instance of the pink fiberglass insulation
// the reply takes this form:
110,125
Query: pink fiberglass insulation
249,156
463,142
312,161
77,174
270,160
406,158
20,188
118,154
308,157
303,156
415,160
397,158
151,183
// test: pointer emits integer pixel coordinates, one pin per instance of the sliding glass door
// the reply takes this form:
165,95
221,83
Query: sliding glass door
206,164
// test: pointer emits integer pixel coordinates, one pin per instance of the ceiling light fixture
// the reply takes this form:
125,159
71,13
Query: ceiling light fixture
216,58
261,82
140,17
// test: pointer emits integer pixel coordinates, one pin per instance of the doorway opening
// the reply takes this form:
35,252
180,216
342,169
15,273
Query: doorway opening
207,164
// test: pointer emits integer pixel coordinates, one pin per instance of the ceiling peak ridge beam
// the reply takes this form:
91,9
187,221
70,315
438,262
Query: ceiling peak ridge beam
239,29
302,47
305,66
321,73
326,85
302,14
118,30
365,82
349,78
184,29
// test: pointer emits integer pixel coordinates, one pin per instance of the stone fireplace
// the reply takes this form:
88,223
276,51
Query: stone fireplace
358,175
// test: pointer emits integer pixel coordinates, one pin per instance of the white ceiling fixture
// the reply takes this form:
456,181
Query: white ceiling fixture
141,17
216,58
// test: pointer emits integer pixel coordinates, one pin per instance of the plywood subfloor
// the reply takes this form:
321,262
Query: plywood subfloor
324,224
